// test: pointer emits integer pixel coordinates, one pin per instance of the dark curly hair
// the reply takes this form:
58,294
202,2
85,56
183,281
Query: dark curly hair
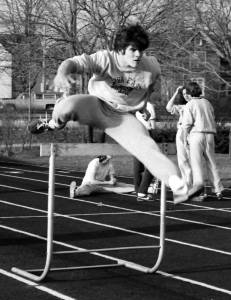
180,98
193,89
131,35
101,158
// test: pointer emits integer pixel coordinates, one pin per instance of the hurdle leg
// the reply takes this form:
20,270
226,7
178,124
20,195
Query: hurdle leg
144,269
50,224
123,262
120,262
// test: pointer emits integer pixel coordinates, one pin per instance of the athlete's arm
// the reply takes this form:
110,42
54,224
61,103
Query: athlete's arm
66,75
170,104
70,68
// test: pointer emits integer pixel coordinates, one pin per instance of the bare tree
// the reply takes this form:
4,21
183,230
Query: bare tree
214,18
195,32
71,27
20,19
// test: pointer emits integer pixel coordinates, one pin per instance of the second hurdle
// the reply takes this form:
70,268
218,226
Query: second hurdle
54,150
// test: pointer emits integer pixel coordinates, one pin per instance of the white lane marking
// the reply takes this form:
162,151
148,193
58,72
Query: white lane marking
63,184
121,228
195,282
32,179
64,172
41,172
165,274
92,214
122,208
185,204
71,170
36,285
13,172
132,210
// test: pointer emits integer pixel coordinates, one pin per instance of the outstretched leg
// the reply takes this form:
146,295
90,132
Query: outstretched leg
126,130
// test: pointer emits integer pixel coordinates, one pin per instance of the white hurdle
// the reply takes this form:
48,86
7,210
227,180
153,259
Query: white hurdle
50,223
58,150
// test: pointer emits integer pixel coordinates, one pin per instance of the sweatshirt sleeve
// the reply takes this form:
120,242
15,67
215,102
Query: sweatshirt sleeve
155,88
151,109
111,169
176,109
93,63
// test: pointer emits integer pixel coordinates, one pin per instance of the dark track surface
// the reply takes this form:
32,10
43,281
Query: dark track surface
196,265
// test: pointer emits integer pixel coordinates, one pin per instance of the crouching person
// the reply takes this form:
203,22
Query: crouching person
100,175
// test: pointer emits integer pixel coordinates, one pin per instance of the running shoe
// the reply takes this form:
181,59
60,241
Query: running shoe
133,193
144,197
202,197
72,189
179,196
219,196
39,126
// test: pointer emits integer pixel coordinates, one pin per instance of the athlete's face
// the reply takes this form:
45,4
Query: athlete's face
106,160
132,56
186,96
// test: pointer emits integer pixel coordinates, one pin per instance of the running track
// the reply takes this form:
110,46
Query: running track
196,265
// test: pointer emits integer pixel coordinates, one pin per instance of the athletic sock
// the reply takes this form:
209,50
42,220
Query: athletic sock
177,185
53,125
141,195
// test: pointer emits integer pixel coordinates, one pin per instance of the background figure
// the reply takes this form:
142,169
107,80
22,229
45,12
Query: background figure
100,173
142,177
176,106
199,123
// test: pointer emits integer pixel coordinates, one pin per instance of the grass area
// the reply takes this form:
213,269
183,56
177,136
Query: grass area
123,163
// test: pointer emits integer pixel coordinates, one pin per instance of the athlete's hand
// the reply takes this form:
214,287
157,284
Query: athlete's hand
145,114
64,82
113,181
179,88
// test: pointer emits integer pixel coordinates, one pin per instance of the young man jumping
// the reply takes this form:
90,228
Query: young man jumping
122,82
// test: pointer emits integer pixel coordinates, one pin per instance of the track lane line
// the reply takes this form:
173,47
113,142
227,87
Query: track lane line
121,228
195,282
36,285
162,273
141,212
37,172
87,201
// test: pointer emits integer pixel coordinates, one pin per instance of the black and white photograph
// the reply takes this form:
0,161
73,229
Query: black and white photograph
115,153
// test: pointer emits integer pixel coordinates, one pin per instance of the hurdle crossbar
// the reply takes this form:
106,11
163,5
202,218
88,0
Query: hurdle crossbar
55,150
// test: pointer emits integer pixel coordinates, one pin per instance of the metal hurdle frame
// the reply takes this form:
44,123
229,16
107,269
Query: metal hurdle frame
118,262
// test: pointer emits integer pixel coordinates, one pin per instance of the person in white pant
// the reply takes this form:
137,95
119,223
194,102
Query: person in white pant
199,126
176,106
122,83
99,175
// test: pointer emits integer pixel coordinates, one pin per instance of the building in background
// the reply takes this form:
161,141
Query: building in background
5,73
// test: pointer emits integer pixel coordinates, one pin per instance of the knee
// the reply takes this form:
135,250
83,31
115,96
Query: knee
66,109
67,104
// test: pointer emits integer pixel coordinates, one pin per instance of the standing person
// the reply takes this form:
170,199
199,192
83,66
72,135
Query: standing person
99,175
142,177
176,106
199,126
122,82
